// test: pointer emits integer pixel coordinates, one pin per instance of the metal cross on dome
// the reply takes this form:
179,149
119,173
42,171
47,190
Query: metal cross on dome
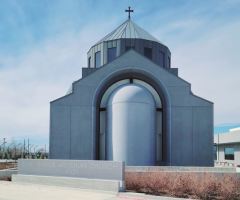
129,11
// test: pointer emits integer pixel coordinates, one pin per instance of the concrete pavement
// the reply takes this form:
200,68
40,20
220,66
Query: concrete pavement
25,191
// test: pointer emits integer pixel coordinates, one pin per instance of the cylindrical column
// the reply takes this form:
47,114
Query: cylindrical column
131,131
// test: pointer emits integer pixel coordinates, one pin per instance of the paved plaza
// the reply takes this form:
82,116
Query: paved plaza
17,191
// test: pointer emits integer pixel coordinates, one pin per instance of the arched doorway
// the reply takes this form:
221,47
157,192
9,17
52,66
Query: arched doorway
103,146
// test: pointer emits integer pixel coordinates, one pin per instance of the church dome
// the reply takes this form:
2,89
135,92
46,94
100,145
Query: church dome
128,30
125,37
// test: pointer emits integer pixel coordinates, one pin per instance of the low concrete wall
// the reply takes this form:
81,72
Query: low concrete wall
7,172
171,170
87,172
180,169
96,169
83,183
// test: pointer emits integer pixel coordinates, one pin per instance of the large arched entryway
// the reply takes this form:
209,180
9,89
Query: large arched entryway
103,120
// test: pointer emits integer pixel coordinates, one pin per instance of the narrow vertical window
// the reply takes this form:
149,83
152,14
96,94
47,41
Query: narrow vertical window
169,62
148,52
89,61
98,59
162,59
111,54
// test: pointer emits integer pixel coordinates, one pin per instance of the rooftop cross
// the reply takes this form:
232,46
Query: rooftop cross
129,11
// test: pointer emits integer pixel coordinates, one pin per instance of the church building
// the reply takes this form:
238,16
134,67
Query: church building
130,105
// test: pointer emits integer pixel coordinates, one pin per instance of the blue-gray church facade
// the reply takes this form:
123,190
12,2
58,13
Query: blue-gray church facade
131,106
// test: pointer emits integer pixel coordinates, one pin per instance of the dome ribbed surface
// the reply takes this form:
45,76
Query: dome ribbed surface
128,30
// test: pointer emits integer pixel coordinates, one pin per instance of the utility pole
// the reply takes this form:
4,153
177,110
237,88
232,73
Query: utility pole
4,142
23,153
218,148
15,152
45,150
28,148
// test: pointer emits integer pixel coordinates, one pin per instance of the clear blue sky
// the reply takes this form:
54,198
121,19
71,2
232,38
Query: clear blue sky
44,44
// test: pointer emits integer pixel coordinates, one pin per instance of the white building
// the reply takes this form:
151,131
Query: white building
227,147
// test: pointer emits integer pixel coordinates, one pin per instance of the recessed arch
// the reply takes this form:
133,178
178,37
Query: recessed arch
108,92
160,89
